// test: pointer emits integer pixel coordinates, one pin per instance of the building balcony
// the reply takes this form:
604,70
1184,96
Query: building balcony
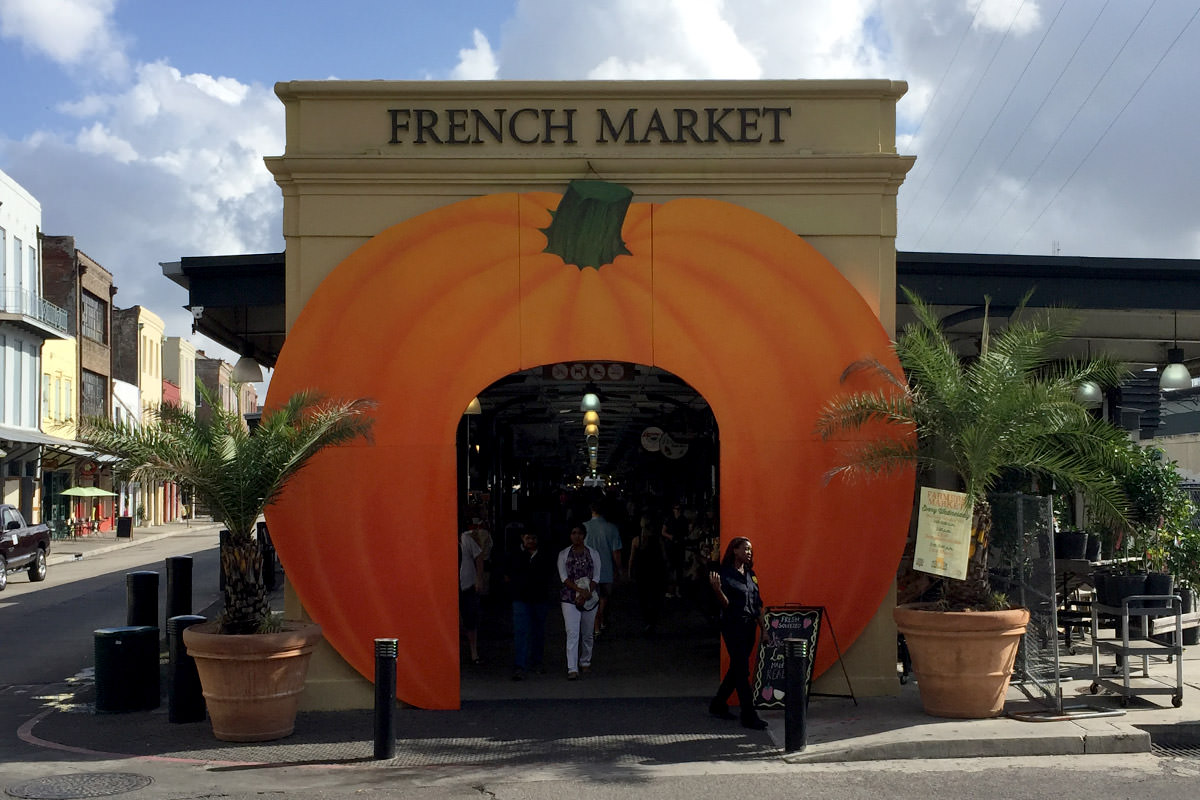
31,311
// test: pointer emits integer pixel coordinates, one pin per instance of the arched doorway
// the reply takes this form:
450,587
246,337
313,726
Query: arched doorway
434,307
525,464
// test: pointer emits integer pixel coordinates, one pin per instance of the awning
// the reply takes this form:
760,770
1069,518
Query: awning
73,450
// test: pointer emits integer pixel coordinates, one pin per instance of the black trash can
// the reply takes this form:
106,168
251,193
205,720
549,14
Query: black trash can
127,674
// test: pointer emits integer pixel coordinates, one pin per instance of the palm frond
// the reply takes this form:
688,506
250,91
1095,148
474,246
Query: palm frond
235,472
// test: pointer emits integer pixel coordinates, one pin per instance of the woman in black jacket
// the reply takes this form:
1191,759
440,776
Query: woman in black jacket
736,587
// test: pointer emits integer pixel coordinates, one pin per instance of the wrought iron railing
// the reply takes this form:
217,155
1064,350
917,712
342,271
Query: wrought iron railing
31,304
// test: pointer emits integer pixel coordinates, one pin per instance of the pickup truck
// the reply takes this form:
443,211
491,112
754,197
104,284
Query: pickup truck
22,546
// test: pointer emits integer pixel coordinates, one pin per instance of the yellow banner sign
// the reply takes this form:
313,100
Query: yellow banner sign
943,533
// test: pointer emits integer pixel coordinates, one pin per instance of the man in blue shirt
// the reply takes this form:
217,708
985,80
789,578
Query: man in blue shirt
605,537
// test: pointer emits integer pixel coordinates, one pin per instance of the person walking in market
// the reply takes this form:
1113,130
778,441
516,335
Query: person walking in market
531,578
605,538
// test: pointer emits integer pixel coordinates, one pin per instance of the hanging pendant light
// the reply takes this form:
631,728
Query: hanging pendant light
1088,393
1175,375
247,370
591,398
591,418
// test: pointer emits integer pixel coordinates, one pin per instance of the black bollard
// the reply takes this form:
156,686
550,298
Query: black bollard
141,598
385,698
223,538
268,556
185,700
179,586
795,696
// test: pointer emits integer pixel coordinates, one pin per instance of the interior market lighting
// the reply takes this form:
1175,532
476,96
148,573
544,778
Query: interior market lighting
591,418
1175,375
591,398
591,430
474,407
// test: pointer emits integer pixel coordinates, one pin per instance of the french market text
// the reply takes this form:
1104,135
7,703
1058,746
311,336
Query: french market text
451,126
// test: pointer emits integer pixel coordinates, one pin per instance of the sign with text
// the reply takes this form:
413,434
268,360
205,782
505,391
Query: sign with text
943,533
770,671
706,125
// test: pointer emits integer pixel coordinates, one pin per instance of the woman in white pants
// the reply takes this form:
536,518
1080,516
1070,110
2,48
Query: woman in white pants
579,570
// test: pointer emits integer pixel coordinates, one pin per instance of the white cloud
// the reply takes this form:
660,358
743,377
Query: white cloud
477,63
167,166
696,39
78,34
1018,16
98,140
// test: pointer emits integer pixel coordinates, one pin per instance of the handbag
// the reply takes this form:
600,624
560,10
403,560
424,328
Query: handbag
593,600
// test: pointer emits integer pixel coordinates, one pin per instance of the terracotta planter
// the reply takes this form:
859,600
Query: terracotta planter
962,660
252,683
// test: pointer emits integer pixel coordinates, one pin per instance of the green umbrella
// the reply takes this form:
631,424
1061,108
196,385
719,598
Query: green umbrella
88,491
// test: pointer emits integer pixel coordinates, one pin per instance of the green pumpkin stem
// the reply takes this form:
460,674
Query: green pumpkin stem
586,228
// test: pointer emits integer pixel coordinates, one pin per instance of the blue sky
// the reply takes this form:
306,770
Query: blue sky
1038,125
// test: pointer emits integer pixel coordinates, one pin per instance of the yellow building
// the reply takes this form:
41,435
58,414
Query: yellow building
60,397
179,368
138,335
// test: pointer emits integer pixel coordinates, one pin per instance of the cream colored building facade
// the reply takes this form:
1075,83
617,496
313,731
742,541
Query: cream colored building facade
817,156
151,333
60,396
179,367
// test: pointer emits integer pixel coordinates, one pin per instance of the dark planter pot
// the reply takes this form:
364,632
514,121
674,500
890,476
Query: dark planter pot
1122,586
1100,581
1159,583
1094,551
1070,544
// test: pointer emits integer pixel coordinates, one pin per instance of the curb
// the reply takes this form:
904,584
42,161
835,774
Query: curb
1066,739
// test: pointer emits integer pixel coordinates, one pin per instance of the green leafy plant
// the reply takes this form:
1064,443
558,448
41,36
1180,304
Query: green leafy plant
236,472
980,421
1161,514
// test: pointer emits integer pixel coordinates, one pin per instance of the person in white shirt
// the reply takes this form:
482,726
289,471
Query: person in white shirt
579,571
470,585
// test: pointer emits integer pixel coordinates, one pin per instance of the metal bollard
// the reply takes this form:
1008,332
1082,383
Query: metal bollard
141,598
224,539
179,586
267,548
795,697
385,698
185,700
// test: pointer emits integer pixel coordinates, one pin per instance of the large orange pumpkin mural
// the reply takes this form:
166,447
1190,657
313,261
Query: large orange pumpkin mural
436,308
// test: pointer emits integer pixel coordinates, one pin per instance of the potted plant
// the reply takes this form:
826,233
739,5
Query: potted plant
972,423
1160,530
238,473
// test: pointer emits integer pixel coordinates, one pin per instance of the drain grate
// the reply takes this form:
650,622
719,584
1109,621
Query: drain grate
1177,751
82,784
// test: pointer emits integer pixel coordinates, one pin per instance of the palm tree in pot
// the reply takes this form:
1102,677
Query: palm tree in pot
972,424
237,473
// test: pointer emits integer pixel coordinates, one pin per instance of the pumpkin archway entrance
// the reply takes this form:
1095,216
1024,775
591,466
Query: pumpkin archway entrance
436,306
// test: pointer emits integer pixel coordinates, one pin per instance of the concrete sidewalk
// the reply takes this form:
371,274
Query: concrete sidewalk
75,548
600,719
